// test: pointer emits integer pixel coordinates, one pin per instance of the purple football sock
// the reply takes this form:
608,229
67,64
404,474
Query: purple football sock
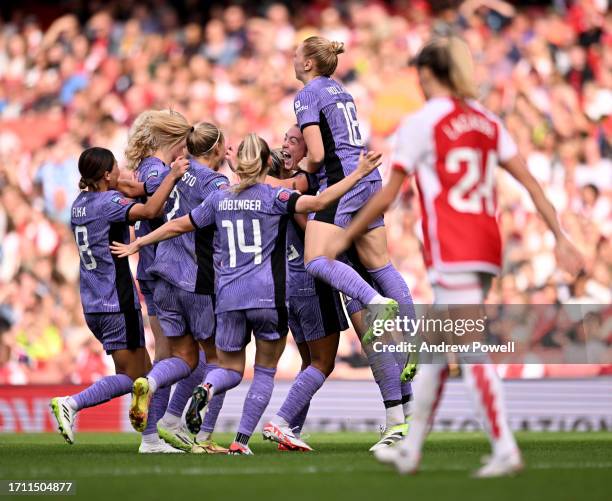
257,399
392,284
298,421
158,405
353,306
102,391
223,379
167,372
300,418
341,277
184,388
306,384
386,373
214,407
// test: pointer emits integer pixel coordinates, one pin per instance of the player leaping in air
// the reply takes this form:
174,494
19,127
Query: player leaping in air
453,146
327,116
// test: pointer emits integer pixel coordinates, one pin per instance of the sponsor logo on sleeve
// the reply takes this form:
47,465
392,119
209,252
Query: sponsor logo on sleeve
221,183
299,107
153,173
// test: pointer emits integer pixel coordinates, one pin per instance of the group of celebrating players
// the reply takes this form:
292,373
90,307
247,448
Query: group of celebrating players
219,262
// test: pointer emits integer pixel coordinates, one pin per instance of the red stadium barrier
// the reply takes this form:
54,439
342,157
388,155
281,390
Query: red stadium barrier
26,409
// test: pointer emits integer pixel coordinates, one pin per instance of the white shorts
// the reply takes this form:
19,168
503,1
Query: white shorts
460,288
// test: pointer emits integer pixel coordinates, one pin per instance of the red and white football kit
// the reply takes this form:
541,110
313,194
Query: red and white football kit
453,147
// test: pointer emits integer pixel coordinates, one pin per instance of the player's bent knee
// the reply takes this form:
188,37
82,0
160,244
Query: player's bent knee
186,348
132,372
132,363
325,366
192,360
191,357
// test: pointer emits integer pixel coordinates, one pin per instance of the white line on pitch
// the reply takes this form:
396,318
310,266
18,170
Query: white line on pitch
233,471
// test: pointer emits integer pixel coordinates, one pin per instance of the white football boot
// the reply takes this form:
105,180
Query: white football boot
501,466
64,415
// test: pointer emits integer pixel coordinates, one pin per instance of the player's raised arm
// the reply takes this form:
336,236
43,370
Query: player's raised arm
567,255
155,204
367,163
202,215
130,188
171,229
297,183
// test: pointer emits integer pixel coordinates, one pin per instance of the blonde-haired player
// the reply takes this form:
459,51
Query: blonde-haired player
453,145
327,116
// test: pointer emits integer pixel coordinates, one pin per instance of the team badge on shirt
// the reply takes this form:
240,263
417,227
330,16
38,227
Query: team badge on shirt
284,195
121,200
152,174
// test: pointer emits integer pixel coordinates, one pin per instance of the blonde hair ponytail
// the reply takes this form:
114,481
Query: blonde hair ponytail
152,130
253,155
450,61
461,69
324,53
203,139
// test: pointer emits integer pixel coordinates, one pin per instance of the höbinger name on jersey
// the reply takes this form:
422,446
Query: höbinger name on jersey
233,204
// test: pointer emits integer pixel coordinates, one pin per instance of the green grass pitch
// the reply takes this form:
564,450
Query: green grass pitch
560,466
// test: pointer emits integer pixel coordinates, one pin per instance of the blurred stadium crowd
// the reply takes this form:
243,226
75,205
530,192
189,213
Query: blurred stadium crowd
79,79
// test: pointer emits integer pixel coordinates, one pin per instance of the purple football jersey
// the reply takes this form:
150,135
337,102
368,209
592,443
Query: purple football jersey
299,282
325,102
151,171
99,218
187,261
250,248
